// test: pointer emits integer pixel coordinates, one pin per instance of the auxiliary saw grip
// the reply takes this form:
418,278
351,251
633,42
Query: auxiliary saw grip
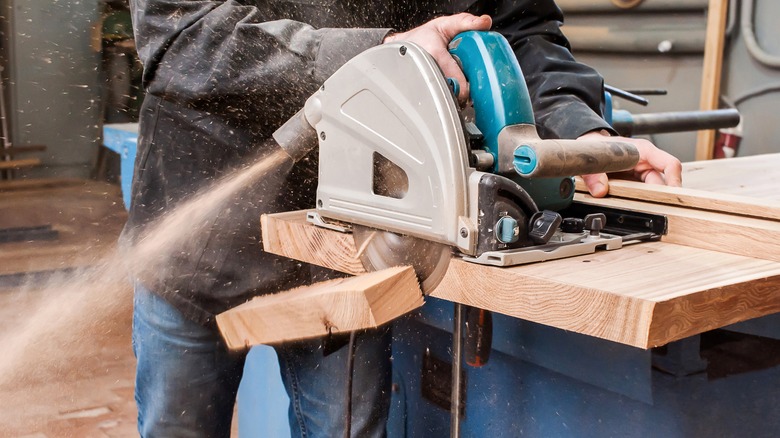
556,158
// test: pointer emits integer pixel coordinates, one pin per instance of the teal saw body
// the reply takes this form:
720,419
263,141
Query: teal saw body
500,97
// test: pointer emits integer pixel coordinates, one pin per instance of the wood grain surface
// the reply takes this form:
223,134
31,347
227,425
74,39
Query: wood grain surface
756,176
642,295
692,198
340,305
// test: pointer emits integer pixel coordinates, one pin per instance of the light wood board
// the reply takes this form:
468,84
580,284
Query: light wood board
643,295
712,71
340,305
692,198
756,176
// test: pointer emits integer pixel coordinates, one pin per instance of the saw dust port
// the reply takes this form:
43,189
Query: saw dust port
61,318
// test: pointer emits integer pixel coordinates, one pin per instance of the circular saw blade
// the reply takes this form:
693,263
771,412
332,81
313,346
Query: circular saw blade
379,250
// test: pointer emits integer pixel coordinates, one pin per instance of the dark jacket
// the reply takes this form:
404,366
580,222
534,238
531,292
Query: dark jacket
221,76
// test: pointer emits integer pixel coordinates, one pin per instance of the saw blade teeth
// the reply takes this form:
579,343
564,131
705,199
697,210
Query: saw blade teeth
379,250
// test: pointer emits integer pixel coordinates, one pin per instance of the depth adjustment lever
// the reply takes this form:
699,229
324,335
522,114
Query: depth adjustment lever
543,225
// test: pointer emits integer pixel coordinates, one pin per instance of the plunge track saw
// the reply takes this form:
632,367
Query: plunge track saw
413,176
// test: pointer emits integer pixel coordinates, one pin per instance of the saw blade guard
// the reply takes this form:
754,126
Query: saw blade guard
392,151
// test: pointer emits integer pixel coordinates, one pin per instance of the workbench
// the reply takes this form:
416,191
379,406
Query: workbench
711,270
591,320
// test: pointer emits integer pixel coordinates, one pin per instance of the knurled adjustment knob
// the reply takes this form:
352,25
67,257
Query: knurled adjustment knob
543,225
507,230
573,225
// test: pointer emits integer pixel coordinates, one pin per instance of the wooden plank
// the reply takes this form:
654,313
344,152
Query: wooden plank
335,250
88,216
46,183
18,164
726,233
340,305
15,150
692,198
642,295
711,72
755,176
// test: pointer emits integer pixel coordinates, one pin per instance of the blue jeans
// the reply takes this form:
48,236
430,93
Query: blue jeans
186,380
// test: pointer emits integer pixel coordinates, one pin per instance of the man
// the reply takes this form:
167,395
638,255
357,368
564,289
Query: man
220,77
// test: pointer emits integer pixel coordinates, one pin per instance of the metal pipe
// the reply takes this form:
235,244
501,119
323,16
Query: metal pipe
633,40
584,6
751,43
658,123
627,95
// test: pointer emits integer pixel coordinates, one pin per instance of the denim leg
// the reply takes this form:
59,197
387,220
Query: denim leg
317,386
186,380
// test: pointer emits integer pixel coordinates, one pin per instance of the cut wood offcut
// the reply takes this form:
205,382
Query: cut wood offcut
333,306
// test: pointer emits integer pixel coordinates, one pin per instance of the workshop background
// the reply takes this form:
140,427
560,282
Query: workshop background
69,69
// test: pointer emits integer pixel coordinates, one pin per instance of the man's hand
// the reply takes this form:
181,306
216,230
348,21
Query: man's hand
435,35
654,167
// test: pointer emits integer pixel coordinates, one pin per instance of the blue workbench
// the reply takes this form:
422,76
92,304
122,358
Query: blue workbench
122,138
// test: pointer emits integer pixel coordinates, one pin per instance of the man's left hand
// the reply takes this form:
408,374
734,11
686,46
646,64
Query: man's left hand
654,167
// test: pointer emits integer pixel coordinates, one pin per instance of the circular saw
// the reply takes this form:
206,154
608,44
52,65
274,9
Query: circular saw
419,179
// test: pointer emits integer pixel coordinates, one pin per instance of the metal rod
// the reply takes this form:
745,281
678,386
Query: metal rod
631,97
649,91
350,377
457,359
658,123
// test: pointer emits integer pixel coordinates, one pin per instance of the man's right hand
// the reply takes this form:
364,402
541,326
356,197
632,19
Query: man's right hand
435,35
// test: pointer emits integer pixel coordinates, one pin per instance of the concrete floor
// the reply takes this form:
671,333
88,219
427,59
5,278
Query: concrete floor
84,395
62,379
66,360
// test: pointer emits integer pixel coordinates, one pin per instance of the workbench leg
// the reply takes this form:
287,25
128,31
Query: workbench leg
457,360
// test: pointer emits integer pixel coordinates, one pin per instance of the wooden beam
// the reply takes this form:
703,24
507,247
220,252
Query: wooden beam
15,150
711,71
284,235
18,164
88,215
642,295
725,233
340,305
691,198
40,184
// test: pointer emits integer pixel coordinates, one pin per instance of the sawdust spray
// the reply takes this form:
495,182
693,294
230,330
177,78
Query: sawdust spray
59,320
